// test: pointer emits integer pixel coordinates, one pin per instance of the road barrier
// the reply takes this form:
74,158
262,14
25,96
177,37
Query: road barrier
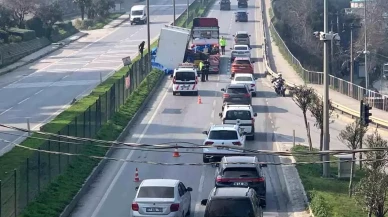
354,91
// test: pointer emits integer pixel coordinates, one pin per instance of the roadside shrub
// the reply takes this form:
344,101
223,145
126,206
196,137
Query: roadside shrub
4,36
25,34
83,24
14,39
36,24
319,205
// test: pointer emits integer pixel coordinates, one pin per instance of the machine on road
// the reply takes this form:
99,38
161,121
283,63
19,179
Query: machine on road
162,197
245,78
242,3
248,174
185,79
138,14
241,115
225,5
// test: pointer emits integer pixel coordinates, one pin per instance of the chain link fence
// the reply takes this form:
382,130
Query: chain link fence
375,99
27,181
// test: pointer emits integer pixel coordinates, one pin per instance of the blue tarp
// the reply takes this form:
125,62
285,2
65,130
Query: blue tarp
160,67
154,50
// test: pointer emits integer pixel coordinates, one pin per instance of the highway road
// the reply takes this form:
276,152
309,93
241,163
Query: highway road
41,90
180,118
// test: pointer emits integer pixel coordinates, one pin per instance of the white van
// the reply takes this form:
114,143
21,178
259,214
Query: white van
185,79
138,14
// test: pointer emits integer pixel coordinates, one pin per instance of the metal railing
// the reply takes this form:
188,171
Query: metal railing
27,181
377,100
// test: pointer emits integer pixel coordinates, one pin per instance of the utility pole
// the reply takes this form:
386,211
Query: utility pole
326,134
351,57
332,50
188,15
173,5
338,24
148,38
366,51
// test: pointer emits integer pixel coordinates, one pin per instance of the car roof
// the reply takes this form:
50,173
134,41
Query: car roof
241,32
224,127
137,7
231,191
236,85
237,107
185,70
240,45
230,161
243,58
160,182
243,75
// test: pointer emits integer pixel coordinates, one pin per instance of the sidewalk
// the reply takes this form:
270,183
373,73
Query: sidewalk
56,46
280,65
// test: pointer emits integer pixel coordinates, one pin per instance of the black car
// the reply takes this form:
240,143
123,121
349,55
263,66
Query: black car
238,94
242,3
241,16
231,174
236,202
225,5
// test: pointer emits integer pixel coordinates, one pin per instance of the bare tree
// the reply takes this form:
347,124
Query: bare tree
83,5
20,8
303,97
373,189
316,109
352,136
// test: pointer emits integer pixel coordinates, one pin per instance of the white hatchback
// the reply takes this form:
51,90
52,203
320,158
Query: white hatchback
241,51
247,79
162,198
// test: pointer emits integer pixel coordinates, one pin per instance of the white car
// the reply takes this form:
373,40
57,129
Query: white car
223,135
162,198
241,51
185,79
247,79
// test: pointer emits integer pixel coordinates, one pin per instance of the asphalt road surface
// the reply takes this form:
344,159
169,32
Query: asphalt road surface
180,118
41,90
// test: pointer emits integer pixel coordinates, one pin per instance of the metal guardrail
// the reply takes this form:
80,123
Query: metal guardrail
354,91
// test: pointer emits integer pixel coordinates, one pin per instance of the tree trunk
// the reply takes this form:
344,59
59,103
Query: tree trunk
82,8
307,130
351,175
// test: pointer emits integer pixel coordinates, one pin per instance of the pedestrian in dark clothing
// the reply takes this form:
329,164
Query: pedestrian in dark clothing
206,69
202,69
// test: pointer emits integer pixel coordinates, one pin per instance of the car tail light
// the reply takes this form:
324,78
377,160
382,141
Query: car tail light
247,95
174,207
174,80
225,95
220,179
135,207
261,179
209,143
236,143
252,85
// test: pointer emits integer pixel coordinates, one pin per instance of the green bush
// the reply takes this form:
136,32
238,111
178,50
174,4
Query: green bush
14,39
36,24
25,34
4,36
318,205
83,24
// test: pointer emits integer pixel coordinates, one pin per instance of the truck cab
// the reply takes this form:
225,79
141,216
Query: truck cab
225,5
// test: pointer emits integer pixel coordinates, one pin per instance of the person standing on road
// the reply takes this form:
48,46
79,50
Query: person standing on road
201,69
222,44
206,69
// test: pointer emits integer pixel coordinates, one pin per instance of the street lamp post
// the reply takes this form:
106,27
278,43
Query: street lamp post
366,51
173,5
187,20
148,37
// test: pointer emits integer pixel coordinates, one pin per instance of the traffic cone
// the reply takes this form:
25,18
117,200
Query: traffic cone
199,99
176,153
137,176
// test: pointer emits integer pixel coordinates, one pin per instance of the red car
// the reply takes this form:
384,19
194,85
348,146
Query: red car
242,65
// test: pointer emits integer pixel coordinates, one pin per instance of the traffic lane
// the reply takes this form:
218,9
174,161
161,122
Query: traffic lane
154,127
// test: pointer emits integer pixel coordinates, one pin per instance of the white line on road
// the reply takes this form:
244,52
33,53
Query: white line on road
38,92
23,100
200,188
113,183
212,114
5,111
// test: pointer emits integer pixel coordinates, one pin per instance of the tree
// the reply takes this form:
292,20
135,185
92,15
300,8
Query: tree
352,137
303,97
5,17
83,6
50,14
101,7
20,8
373,189
316,110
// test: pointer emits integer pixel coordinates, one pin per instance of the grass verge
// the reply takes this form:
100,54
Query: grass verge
98,23
60,192
328,197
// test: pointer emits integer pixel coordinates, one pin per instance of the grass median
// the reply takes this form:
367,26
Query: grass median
60,192
328,196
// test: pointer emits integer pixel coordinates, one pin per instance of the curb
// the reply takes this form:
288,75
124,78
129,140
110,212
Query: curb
83,34
96,171
116,25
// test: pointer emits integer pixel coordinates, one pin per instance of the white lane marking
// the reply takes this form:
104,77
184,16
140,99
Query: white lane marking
200,188
118,174
5,111
38,92
23,100
212,114
214,103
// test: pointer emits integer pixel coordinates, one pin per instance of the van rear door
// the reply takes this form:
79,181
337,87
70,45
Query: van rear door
244,117
186,80
232,206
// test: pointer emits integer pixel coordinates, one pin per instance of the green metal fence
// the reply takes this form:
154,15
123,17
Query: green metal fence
27,181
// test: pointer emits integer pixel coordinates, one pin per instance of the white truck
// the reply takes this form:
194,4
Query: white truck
172,45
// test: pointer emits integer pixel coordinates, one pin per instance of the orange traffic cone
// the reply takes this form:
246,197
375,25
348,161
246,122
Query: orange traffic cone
137,176
199,99
176,153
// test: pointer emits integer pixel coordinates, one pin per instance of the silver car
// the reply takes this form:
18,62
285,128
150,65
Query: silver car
240,50
242,37
162,198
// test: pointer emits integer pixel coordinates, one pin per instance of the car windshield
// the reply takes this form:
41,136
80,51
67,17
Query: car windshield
227,207
234,115
242,36
136,13
223,135
240,48
239,172
241,13
184,76
156,192
236,90
242,62
243,79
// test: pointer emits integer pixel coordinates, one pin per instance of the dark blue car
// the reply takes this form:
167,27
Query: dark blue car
241,16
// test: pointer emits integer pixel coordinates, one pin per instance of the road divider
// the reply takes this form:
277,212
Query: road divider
53,181
337,106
